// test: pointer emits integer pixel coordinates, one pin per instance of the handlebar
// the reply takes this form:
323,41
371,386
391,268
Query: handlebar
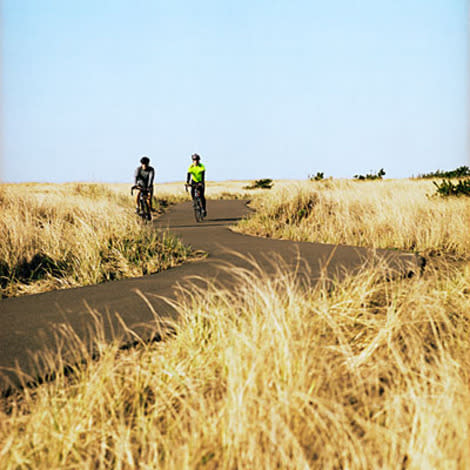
139,188
192,184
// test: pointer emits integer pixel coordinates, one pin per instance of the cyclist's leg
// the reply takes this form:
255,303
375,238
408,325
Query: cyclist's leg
137,204
148,207
203,199
144,205
193,190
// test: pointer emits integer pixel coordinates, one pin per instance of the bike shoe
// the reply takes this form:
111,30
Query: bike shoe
205,214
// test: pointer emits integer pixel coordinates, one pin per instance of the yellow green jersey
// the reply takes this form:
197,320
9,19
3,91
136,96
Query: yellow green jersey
196,172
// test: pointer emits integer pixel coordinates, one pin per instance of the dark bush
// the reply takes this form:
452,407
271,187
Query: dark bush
371,176
460,172
265,183
446,188
318,177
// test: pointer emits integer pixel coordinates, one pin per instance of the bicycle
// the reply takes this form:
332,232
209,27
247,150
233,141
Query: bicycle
197,201
144,202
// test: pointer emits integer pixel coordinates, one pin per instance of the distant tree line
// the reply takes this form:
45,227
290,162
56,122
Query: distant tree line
445,188
320,175
460,172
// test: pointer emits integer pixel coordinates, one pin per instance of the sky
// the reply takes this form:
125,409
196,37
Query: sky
260,89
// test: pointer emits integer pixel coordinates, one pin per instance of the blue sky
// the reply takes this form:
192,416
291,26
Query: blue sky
262,88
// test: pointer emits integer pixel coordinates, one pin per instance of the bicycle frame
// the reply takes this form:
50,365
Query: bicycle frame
197,203
144,202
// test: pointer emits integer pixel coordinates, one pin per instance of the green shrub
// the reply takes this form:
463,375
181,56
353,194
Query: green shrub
371,176
460,172
265,183
446,188
318,177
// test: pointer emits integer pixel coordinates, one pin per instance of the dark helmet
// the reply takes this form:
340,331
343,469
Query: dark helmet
195,156
145,160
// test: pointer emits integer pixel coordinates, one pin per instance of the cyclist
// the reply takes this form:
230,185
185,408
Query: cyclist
196,176
144,176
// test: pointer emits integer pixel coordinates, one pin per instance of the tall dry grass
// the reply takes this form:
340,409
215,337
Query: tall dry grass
175,192
56,236
66,235
367,374
400,214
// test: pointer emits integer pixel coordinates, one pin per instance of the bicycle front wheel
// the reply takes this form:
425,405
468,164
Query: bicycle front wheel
145,210
198,210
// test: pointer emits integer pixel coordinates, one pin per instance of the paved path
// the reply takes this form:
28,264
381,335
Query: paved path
28,324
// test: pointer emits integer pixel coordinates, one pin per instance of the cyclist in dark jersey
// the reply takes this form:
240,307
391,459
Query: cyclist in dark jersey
144,176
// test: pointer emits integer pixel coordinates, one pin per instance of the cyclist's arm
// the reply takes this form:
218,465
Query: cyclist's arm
188,178
151,178
136,175
203,175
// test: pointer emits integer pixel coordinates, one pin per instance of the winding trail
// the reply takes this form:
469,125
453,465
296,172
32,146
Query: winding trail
29,324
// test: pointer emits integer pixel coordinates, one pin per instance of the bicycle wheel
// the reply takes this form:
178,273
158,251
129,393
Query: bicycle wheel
198,209
145,209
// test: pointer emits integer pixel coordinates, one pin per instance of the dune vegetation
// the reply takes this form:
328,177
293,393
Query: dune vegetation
58,236
368,374
369,371
67,235
401,214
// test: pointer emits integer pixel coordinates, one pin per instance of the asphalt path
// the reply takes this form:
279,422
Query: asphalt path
31,324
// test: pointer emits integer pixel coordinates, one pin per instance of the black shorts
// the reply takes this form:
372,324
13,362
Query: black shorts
142,185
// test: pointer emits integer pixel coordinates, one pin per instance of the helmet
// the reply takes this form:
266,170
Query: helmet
145,160
195,156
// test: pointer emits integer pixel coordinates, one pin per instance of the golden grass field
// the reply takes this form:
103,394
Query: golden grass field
59,236
68,235
402,214
367,373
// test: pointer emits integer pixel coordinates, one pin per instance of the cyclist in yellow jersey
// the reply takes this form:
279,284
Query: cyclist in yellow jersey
196,176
